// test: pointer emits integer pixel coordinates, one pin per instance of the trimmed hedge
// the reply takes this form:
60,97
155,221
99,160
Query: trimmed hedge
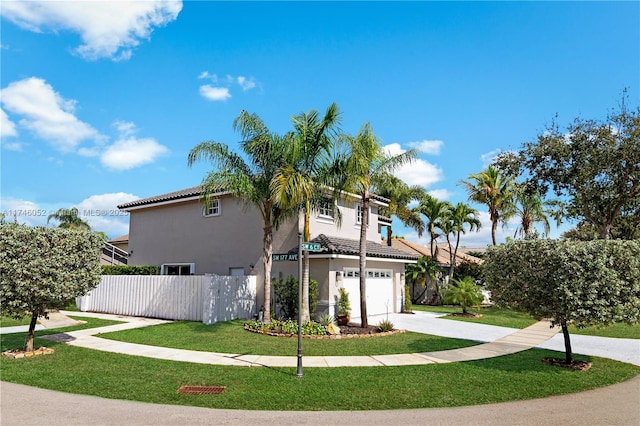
130,270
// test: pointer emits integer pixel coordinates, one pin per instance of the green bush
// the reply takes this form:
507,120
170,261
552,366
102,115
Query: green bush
286,293
465,293
407,306
385,326
130,270
344,306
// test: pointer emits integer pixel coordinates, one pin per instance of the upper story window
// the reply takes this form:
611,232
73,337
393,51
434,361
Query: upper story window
359,215
326,209
214,208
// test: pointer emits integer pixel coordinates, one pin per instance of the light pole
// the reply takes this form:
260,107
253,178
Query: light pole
300,304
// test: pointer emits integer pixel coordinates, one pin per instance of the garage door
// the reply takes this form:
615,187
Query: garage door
380,295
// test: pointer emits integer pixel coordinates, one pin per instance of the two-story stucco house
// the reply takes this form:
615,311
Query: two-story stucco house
175,232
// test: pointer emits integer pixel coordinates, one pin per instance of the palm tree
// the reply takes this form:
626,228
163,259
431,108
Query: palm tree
530,208
494,189
420,273
69,219
249,180
455,220
366,167
301,180
400,195
435,212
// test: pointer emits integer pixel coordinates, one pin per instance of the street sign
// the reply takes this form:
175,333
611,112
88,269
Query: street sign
311,246
285,256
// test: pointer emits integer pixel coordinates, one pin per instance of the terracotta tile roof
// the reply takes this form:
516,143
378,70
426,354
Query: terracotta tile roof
442,254
120,239
194,191
338,245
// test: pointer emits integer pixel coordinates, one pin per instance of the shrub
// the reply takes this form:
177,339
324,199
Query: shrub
130,270
465,293
286,293
344,306
327,319
385,325
407,305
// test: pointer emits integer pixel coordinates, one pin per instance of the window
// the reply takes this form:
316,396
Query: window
359,215
214,208
325,209
371,273
178,268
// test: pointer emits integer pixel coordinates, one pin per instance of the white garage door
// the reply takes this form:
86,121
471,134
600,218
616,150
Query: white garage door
380,296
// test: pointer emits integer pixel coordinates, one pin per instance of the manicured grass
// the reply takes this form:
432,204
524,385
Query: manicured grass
507,318
17,340
620,330
12,322
230,337
513,377
490,315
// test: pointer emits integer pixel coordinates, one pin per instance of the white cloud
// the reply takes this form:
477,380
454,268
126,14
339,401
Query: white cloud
427,146
246,84
214,93
441,194
419,172
23,211
47,114
101,212
208,76
109,29
131,152
487,158
7,127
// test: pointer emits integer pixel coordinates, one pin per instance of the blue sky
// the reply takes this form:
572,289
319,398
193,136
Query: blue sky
102,101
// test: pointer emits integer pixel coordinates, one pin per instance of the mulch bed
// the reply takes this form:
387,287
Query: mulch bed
201,390
575,365
20,353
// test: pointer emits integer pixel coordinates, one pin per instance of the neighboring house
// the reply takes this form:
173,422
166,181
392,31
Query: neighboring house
114,251
121,242
175,232
443,256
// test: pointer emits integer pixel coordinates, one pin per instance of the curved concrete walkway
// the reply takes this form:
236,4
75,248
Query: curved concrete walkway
517,341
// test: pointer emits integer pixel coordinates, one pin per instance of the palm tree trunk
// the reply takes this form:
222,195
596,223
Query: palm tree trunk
494,225
267,252
364,320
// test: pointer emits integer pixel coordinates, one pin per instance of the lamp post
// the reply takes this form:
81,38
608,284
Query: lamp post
300,304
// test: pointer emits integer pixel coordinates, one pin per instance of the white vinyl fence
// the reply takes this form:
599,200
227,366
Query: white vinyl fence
206,298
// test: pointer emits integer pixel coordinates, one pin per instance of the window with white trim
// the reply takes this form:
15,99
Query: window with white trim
359,215
326,208
371,273
177,268
214,208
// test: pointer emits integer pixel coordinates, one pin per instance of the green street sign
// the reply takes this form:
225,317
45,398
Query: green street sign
310,246
285,256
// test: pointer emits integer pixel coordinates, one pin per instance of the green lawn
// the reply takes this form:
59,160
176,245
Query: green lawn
512,377
12,322
17,340
508,318
230,337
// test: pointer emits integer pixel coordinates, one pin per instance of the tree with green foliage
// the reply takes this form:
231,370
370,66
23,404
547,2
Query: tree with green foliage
248,180
44,269
579,283
286,292
593,165
531,209
495,189
400,196
307,169
422,272
465,293
454,222
366,167
435,212
69,219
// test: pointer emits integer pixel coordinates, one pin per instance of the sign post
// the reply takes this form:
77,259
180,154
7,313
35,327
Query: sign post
300,304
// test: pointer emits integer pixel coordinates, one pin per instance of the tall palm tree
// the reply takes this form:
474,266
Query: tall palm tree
420,273
366,167
496,190
69,219
457,217
248,180
305,173
434,212
531,209
400,196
